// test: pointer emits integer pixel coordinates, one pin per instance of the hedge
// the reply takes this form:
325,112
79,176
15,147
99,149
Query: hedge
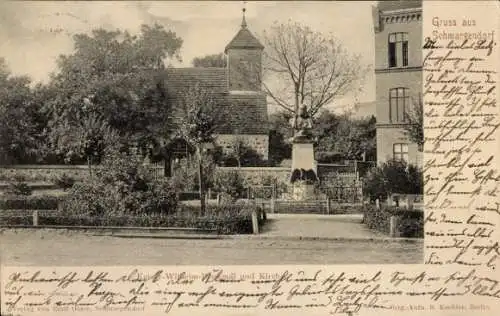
411,223
223,220
40,202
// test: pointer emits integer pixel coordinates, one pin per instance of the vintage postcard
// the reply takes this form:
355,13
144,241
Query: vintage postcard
249,158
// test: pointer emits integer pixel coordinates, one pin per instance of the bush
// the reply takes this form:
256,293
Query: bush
19,188
411,223
392,177
42,202
64,181
123,186
229,183
185,177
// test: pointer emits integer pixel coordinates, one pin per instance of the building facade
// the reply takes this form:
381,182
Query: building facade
236,88
398,75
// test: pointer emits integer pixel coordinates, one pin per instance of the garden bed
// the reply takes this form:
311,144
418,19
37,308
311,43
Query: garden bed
410,223
223,220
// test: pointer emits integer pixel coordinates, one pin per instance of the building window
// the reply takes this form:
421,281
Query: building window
399,99
400,152
398,49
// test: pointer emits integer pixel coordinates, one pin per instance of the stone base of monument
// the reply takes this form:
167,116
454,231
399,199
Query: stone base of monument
302,191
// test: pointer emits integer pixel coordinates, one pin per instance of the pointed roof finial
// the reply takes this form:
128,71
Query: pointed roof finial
244,22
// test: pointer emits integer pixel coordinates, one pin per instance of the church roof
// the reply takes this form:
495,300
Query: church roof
212,78
244,39
242,113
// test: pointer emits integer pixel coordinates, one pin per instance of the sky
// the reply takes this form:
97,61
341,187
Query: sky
33,34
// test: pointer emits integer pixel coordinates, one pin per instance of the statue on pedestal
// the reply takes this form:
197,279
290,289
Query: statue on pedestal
302,126
303,177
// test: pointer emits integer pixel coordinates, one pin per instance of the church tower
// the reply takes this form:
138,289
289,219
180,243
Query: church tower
244,54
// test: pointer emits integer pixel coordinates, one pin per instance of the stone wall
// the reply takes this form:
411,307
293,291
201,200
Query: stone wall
259,143
258,175
46,173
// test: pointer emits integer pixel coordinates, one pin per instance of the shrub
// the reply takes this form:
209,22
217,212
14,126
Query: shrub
229,183
393,177
42,202
185,177
19,188
123,186
411,223
64,181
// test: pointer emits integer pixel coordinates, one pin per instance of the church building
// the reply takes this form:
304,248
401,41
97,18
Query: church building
398,75
237,88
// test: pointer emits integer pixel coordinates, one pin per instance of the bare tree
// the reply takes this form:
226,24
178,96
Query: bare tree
313,69
414,127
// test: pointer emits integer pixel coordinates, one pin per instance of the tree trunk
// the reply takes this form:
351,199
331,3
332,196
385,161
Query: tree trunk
201,182
89,164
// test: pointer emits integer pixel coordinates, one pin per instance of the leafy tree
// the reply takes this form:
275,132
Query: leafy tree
215,60
22,121
200,118
415,119
393,177
315,69
119,76
88,139
341,134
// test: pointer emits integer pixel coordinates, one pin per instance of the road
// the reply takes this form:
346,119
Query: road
76,248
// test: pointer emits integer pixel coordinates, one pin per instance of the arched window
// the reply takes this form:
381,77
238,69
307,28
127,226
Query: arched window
399,99
398,49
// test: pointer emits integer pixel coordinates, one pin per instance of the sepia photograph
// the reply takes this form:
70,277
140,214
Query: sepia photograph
211,133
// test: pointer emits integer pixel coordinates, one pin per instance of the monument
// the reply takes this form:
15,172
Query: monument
303,178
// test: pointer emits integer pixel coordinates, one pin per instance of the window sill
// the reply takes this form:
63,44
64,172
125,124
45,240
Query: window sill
398,69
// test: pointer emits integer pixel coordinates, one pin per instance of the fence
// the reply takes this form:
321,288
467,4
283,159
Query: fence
344,194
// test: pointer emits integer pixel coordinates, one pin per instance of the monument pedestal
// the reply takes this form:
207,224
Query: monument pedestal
303,156
303,169
302,191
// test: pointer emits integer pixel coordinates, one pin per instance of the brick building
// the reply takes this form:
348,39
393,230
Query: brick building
236,87
398,75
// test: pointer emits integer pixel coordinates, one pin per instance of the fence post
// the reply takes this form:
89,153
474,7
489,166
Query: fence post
328,205
410,200
35,218
272,205
255,222
393,228
377,204
218,199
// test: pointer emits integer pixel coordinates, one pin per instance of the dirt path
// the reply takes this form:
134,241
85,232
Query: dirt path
70,248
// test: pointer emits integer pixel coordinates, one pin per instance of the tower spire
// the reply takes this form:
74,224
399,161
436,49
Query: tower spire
244,21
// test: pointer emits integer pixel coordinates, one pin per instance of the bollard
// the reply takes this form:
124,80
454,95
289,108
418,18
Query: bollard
377,204
218,199
328,206
272,204
393,228
255,222
35,218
